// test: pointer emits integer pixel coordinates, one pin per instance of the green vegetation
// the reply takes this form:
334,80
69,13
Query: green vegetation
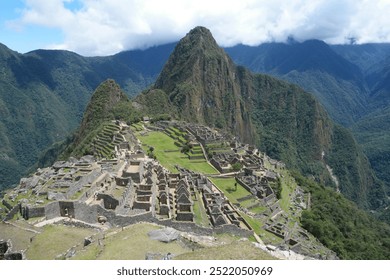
20,237
55,240
350,81
257,225
236,250
341,226
286,122
17,198
44,93
236,166
131,243
287,188
373,132
168,154
230,188
201,217
96,132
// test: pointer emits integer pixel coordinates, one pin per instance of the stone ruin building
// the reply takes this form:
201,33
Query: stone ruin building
132,187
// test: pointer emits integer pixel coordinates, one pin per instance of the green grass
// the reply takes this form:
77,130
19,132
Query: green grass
79,193
20,238
257,225
136,127
248,202
288,186
56,240
162,142
227,186
118,192
90,252
133,243
29,196
258,209
200,214
237,250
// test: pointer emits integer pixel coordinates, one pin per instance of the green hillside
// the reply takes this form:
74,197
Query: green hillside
108,102
201,84
44,93
350,81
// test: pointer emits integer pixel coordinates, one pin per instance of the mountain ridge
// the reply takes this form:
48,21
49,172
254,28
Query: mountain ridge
360,103
44,93
70,112
286,122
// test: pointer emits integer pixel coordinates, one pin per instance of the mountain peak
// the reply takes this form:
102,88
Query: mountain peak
200,30
200,80
101,107
193,55
200,38
200,35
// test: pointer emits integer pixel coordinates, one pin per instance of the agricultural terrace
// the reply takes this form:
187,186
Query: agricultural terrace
237,194
169,155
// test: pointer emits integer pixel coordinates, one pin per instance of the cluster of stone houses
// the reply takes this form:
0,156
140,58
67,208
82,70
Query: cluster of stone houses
204,134
135,186
258,186
132,184
224,162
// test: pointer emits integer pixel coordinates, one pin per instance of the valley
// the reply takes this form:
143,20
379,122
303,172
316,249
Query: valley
133,188
209,156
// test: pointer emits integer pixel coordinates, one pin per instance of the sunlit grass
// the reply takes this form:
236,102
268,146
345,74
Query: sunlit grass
229,187
169,155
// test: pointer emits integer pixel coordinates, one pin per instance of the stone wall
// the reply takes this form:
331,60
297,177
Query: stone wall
32,212
67,209
144,205
196,157
6,204
86,213
6,252
108,201
52,210
12,212
90,214
234,230
184,216
249,189
3,248
187,227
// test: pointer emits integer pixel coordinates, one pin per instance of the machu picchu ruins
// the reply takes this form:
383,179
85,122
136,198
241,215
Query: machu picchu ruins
122,182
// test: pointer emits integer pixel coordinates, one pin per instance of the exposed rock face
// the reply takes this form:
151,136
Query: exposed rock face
201,82
6,252
164,235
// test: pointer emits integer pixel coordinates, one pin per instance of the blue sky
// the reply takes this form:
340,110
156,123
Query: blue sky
103,27
25,37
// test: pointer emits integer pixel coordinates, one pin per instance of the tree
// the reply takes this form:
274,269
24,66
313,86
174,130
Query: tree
236,166
185,149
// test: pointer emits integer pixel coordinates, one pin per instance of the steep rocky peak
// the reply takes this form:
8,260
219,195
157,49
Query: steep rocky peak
103,101
200,80
196,53
200,36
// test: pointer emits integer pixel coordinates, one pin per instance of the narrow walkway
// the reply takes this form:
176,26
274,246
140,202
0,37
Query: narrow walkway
21,227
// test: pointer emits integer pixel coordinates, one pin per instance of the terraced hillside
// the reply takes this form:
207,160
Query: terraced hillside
104,143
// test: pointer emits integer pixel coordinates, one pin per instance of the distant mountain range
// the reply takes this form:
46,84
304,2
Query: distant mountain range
43,95
352,82
200,83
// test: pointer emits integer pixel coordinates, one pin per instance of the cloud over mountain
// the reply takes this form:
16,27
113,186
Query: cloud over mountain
100,27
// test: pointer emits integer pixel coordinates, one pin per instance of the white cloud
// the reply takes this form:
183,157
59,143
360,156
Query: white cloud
103,27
